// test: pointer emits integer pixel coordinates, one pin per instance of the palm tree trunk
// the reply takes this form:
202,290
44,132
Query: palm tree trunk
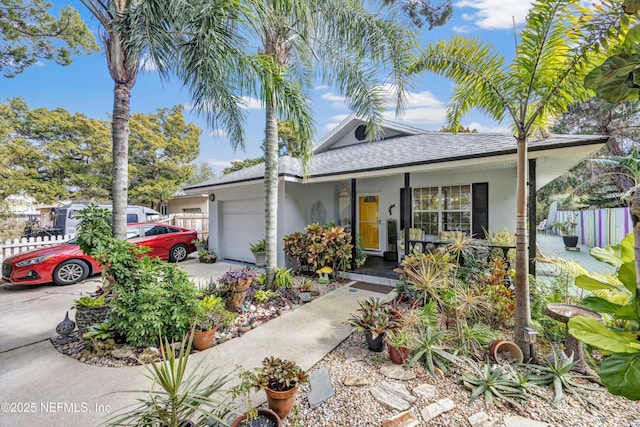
120,152
271,190
523,309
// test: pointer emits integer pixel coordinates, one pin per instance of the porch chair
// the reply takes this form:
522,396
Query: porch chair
542,227
414,234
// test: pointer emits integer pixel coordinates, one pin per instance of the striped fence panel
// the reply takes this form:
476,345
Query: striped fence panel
599,227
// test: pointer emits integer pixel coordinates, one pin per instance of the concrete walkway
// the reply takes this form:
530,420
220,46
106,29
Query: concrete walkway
44,387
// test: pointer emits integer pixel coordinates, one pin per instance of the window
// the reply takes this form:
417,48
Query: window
133,232
132,218
154,230
446,208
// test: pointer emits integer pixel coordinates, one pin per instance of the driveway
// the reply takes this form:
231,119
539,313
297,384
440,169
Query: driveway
30,314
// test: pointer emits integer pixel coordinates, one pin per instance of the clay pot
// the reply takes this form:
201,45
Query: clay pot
497,347
281,402
398,355
376,344
266,413
204,340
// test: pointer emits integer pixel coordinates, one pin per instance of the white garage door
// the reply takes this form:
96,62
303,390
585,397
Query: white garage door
243,224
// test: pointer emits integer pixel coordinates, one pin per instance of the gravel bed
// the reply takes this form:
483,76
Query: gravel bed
355,406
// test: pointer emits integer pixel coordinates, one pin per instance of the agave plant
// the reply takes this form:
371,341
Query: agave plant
435,357
556,372
491,382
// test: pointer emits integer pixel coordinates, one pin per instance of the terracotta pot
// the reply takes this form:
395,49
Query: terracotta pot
267,413
281,402
398,355
497,347
376,344
204,340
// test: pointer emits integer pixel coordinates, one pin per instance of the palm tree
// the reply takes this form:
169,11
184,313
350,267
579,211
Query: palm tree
123,68
345,45
552,58
166,34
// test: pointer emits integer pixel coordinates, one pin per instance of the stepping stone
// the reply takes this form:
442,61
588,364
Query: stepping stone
396,372
427,391
354,354
437,408
354,380
393,395
518,421
403,419
321,388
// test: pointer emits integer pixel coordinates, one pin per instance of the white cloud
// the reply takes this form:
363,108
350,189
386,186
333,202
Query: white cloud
495,14
321,87
421,108
252,103
330,96
488,129
462,29
218,132
218,163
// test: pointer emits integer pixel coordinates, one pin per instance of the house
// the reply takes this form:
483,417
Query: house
185,203
409,178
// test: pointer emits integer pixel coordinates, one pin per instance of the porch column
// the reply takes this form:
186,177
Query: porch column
353,224
532,216
406,211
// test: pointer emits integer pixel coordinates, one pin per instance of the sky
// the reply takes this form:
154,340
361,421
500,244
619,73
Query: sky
86,87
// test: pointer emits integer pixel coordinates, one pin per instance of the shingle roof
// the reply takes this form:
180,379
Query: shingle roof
405,151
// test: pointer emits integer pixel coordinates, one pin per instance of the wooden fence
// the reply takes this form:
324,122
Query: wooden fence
16,246
599,227
192,221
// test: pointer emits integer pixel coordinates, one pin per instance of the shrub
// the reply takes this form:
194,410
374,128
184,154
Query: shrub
320,246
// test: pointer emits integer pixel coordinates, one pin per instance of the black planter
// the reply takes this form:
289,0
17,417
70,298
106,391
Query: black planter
570,241
376,344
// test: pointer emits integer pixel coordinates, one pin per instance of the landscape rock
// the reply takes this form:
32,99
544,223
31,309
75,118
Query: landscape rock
427,391
396,372
518,421
480,419
354,354
122,353
321,388
354,380
393,395
403,419
437,408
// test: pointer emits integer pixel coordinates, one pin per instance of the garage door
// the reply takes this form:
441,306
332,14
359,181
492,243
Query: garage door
243,224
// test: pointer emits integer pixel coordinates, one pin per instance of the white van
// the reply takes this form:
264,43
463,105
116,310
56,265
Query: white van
66,218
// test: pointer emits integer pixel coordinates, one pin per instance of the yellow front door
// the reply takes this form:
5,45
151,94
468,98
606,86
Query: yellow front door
369,222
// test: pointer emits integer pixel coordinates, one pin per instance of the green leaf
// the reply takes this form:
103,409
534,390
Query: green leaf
621,374
591,284
600,305
626,312
612,255
627,275
594,333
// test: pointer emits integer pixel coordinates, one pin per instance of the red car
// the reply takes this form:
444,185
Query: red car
66,264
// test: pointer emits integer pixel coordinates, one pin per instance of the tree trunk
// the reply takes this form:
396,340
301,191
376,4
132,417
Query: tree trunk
120,151
523,309
634,211
271,190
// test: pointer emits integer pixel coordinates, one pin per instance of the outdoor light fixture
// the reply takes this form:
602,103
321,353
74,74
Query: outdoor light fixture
530,337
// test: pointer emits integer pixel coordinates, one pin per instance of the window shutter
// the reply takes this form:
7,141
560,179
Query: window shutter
479,209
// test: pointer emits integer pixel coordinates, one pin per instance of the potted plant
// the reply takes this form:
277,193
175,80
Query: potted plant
304,290
210,316
207,255
374,319
91,310
258,417
568,230
279,379
399,342
201,243
235,284
259,252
